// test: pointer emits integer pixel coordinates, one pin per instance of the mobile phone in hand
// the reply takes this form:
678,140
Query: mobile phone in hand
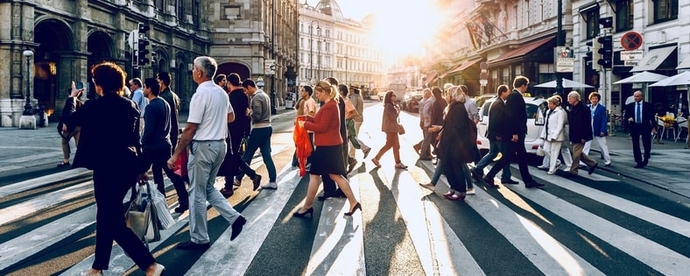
80,85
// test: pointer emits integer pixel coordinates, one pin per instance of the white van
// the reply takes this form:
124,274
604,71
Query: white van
536,110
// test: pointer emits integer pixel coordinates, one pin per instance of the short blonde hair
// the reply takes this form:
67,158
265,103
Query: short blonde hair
556,100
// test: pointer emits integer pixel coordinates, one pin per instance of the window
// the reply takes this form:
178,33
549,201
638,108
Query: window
665,10
624,15
180,9
328,46
160,5
591,18
196,12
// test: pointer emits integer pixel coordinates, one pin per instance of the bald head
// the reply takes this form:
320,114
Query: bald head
637,96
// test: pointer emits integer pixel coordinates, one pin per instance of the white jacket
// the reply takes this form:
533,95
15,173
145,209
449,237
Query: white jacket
555,123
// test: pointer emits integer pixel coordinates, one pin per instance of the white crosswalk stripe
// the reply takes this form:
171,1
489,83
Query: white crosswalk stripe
340,245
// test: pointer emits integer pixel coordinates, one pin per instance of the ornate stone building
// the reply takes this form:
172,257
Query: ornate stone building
68,37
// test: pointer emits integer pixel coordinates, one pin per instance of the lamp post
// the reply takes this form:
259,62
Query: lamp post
273,56
318,44
28,109
311,47
559,42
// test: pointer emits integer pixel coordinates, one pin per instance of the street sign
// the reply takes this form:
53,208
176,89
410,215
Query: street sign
565,61
632,63
260,82
632,55
270,67
483,82
631,41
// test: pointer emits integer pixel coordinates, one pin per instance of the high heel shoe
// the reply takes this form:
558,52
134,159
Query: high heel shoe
309,212
352,212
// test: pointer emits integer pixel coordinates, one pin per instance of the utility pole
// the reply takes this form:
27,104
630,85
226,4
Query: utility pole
559,43
273,56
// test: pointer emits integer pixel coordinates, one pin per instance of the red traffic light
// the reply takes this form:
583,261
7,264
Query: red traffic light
606,22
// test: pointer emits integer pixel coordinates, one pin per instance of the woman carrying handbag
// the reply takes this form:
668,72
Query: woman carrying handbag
109,145
392,129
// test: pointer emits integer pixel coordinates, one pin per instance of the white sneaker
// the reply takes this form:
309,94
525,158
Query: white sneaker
550,172
542,167
270,186
470,191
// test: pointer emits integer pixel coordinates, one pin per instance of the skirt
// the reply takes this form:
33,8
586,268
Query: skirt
327,160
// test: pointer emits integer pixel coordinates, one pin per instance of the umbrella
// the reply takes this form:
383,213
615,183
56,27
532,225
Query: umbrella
680,79
642,78
566,84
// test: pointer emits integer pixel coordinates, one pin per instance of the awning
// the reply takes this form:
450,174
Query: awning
522,50
685,64
465,65
653,59
430,77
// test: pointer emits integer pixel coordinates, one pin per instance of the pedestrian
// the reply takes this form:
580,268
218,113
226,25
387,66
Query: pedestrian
496,133
580,121
425,107
139,98
109,145
350,114
205,133
640,116
156,145
470,105
599,127
553,133
565,145
390,126
222,81
328,142
516,131
238,130
260,135
329,186
306,106
164,80
66,128
358,119
437,114
458,145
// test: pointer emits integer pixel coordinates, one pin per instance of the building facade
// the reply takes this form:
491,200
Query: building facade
68,37
247,34
332,45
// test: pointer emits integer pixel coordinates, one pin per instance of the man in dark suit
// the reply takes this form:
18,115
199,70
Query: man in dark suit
640,116
580,122
516,130
495,134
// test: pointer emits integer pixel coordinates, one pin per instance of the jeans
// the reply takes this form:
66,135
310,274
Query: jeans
260,138
495,147
205,159
437,172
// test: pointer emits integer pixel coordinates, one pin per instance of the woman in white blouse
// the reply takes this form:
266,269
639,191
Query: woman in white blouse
553,132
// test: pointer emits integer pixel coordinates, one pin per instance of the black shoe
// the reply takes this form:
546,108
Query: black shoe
533,184
639,166
309,212
476,175
63,164
256,181
591,169
489,181
509,182
336,193
226,192
181,209
237,227
189,245
645,162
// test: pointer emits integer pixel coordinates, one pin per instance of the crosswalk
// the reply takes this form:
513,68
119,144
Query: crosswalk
591,225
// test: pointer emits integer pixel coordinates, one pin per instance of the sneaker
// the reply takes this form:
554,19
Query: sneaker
550,172
270,186
542,167
470,191
366,152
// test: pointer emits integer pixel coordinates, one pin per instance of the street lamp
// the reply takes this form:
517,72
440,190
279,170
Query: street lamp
28,109
273,56
318,44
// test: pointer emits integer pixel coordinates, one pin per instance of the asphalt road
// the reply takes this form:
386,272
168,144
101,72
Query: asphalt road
595,225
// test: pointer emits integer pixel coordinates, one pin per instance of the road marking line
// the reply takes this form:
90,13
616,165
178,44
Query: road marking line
42,181
32,157
44,201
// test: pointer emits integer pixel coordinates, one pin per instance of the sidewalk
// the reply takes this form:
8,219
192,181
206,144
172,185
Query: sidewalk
668,168
37,149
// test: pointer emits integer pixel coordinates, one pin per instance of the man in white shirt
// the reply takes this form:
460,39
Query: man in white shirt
209,113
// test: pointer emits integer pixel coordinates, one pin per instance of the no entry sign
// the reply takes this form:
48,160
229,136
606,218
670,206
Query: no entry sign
631,41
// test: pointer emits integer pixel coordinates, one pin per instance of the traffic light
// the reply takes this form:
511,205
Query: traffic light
606,22
606,51
593,54
142,45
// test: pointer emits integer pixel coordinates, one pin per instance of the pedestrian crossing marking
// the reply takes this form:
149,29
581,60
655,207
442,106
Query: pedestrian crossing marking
44,201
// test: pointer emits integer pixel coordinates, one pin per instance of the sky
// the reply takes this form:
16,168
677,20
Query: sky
403,25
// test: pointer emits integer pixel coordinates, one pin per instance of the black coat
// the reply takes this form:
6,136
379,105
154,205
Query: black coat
580,121
459,139
648,121
437,111
515,106
71,106
109,134
498,120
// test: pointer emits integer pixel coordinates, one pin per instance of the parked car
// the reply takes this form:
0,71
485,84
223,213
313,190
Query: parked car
483,98
411,101
535,108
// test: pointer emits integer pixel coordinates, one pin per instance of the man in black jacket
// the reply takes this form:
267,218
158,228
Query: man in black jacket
640,117
516,128
496,134
173,101
580,121
66,129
